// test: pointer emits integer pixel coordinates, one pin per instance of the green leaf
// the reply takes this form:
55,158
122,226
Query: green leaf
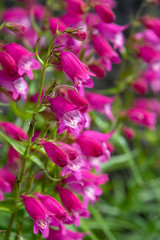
118,162
19,147
121,141
15,144
102,224
85,228
19,112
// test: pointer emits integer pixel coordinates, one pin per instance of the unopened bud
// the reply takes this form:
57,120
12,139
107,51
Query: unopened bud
15,27
79,35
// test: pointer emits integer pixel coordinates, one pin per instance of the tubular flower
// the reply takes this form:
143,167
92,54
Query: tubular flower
142,117
55,207
152,23
55,153
140,85
73,204
101,104
90,147
69,115
41,216
76,70
76,6
113,33
14,84
105,51
105,13
88,185
23,58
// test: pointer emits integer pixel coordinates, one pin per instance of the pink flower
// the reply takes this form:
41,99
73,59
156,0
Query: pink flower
101,138
140,85
76,6
105,13
69,115
7,180
76,70
152,23
105,51
113,33
149,37
88,185
14,84
73,205
142,117
97,70
13,131
90,147
41,216
151,104
128,133
63,155
147,53
101,104
55,153
23,58
77,100
55,207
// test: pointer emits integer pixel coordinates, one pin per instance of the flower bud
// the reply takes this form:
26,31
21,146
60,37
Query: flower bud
79,35
15,27
55,154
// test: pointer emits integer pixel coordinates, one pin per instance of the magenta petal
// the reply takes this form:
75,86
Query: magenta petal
101,137
62,127
45,231
60,105
35,227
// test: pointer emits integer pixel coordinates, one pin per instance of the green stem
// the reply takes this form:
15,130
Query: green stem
2,26
41,86
10,225
136,172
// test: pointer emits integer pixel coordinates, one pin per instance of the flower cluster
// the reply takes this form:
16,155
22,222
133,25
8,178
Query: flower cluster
62,138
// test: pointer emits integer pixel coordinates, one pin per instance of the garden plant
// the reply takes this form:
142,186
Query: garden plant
79,161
